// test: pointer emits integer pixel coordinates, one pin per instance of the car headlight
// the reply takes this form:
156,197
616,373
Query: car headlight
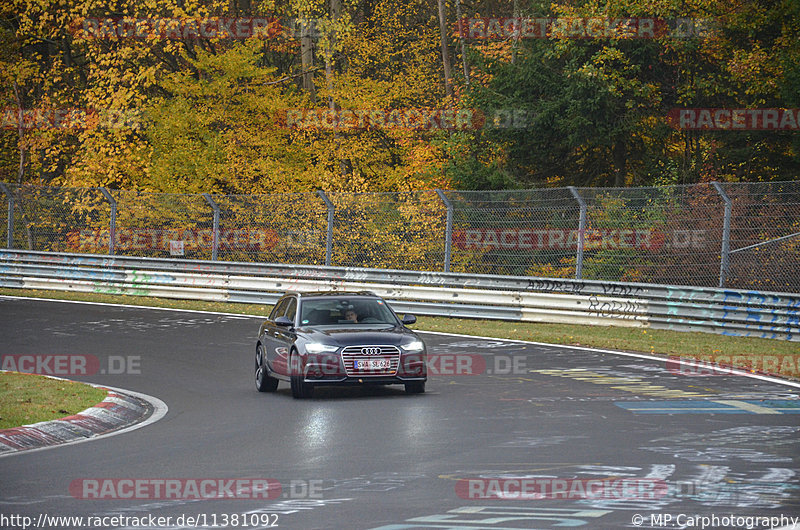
318,347
414,346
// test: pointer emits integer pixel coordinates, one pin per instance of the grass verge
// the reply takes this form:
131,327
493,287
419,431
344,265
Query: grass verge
779,357
29,398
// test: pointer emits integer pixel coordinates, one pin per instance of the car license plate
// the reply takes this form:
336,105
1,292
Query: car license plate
373,364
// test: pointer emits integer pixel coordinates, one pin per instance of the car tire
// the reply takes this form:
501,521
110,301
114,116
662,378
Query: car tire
264,382
415,387
300,389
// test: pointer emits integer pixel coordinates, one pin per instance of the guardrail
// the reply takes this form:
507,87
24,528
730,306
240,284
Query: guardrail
725,311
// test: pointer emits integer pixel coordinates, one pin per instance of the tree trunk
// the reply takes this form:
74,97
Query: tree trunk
20,132
307,61
515,43
336,10
21,170
620,156
461,38
448,84
345,165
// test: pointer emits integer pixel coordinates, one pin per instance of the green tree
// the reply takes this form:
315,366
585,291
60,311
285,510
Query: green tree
598,107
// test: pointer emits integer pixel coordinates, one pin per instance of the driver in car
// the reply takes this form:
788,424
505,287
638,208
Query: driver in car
351,315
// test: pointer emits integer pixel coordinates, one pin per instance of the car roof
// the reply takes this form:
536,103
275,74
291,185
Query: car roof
346,294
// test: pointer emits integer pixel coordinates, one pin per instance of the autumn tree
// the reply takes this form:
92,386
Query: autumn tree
598,107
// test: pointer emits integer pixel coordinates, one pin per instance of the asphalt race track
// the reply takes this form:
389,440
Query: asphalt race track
631,440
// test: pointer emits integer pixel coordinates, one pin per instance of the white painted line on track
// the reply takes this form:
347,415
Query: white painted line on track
733,371
128,306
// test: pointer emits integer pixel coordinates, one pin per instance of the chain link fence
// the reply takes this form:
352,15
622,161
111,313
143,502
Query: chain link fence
516,232
765,236
50,219
152,224
389,230
280,228
674,234
740,235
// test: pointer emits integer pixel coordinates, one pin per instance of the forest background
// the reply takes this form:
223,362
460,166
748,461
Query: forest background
164,112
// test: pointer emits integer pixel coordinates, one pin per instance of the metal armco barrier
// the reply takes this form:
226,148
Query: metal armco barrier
724,311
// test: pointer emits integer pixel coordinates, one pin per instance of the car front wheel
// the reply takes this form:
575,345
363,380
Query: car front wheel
415,387
300,389
264,383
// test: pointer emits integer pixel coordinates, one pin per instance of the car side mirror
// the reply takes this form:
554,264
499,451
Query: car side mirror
284,322
408,319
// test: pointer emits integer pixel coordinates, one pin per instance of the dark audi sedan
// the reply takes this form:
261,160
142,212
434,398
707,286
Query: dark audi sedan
338,338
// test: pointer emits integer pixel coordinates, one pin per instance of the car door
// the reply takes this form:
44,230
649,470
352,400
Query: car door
283,338
272,334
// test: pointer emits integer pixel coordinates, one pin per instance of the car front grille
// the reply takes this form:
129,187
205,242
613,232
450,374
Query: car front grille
353,354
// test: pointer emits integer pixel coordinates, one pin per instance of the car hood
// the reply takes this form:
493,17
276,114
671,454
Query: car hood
349,337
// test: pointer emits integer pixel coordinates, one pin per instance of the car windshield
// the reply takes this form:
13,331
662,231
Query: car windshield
346,312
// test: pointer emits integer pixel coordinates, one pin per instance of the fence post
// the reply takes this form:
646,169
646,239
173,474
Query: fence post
215,228
10,197
112,229
581,232
726,235
448,238
329,235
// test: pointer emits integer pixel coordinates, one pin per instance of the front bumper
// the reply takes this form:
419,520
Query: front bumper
339,369
363,381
